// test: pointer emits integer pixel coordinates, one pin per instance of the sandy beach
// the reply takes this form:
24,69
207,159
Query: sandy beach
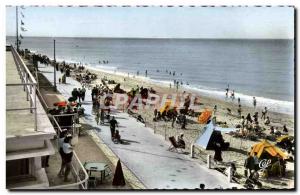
238,146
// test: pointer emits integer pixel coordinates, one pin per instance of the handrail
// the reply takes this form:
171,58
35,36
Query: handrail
28,82
20,60
42,98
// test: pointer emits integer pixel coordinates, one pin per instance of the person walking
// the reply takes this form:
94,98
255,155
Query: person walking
113,123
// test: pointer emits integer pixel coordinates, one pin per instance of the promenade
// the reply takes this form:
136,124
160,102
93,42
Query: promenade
146,153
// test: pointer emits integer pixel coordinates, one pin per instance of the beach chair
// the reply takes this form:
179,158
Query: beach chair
174,145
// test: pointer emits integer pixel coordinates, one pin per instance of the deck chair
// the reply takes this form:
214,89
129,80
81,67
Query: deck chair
174,146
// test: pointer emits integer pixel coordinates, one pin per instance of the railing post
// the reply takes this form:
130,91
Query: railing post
192,150
229,174
35,108
208,161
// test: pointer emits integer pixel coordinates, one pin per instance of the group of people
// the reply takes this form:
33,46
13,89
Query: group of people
78,94
252,124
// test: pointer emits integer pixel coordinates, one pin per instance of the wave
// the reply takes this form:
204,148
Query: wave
285,107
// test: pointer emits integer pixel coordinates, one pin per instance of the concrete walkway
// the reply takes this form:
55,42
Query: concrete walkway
146,153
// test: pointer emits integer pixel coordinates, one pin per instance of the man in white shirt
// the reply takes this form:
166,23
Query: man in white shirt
68,154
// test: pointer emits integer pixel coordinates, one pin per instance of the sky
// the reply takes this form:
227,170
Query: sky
155,22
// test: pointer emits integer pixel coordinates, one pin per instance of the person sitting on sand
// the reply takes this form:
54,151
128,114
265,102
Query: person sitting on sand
272,130
267,121
180,141
277,132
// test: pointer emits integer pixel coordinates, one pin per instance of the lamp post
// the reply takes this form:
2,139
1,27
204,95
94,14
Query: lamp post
17,28
54,66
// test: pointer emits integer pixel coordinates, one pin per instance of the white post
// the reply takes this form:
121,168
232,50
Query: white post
208,161
229,174
192,150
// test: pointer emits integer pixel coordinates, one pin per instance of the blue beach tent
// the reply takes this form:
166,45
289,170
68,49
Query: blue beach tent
204,140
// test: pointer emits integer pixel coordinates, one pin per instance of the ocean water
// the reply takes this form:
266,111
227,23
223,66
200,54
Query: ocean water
260,68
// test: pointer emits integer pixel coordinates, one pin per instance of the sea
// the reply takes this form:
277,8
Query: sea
261,68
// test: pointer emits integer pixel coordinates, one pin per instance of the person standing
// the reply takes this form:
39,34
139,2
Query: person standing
113,123
227,91
83,93
183,121
264,113
97,118
256,162
249,164
232,95
240,111
218,152
68,154
61,138
254,102
215,109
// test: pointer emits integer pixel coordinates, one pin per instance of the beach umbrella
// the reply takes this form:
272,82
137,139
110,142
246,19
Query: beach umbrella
61,104
119,179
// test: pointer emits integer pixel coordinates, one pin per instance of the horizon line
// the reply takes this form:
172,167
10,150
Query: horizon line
154,37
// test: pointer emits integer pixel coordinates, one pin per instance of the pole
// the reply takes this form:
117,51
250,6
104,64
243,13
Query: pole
17,28
54,67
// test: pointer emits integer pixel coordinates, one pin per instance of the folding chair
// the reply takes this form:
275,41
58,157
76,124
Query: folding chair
174,146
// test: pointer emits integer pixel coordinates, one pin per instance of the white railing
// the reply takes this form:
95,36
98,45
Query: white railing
29,85
79,173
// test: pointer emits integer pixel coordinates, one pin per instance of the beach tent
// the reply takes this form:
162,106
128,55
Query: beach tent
283,138
205,140
264,147
204,116
166,107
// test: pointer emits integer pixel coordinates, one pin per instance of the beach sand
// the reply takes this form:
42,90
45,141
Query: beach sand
238,146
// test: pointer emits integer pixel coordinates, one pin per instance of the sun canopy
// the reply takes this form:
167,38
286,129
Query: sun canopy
168,105
204,116
203,140
265,146
282,138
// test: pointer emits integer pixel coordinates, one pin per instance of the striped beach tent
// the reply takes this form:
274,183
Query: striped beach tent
264,147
